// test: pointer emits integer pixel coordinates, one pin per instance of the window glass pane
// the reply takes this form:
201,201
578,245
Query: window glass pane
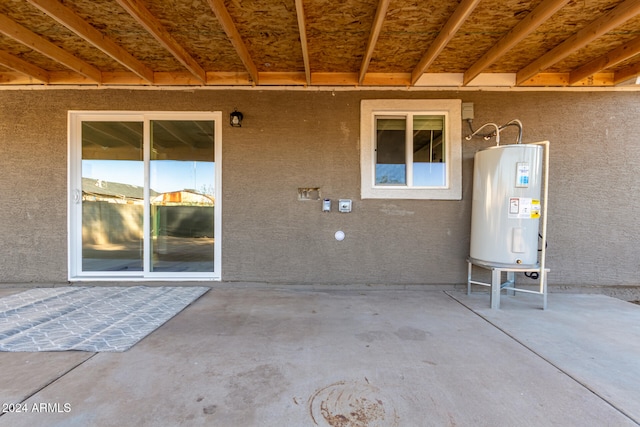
429,163
112,196
182,188
391,151
431,131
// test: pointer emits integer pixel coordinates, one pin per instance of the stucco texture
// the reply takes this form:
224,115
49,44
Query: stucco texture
297,139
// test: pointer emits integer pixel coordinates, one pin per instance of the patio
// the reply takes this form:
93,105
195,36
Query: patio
258,355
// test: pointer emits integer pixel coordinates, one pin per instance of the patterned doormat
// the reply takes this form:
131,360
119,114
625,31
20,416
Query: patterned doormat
95,319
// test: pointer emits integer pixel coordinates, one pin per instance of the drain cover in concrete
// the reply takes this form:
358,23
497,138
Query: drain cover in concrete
352,404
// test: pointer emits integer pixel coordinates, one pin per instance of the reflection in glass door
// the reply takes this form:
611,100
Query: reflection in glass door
144,191
182,172
112,196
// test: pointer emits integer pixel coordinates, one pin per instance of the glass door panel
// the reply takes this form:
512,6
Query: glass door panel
144,195
181,191
112,196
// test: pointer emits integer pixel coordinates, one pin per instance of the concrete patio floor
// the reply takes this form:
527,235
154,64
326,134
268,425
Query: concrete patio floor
277,356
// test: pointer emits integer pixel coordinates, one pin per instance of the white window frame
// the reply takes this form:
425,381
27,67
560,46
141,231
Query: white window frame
451,109
74,180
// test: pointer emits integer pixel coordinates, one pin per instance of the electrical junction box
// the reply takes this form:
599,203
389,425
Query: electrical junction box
344,205
467,111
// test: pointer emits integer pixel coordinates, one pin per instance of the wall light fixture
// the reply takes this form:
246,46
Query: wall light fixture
236,119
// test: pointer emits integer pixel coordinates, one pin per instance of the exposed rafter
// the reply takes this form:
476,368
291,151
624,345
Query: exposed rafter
449,30
302,28
339,42
24,67
626,73
616,56
230,29
141,14
19,33
381,13
607,22
533,20
75,23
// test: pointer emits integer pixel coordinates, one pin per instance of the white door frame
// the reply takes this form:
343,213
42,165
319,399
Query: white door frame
74,199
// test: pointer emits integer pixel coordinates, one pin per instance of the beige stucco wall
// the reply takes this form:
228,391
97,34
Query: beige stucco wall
308,138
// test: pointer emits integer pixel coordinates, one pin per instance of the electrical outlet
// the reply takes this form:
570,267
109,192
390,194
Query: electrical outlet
344,205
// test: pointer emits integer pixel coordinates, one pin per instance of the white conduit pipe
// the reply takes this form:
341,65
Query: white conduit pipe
545,195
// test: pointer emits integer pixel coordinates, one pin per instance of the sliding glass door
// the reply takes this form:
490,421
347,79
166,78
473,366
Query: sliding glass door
144,195
182,179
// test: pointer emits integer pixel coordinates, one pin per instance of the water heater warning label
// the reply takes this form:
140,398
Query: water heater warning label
523,208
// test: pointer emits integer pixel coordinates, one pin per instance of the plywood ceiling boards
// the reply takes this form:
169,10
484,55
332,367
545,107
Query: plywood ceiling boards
318,43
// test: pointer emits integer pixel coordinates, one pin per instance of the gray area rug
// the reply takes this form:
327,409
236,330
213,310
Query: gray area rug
95,319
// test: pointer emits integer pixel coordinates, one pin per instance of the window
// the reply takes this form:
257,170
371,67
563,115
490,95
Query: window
144,195
411,149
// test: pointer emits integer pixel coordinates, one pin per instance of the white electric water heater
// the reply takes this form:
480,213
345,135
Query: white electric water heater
506,207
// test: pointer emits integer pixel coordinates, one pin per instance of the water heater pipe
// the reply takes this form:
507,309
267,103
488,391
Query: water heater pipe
514,122
468,137
518,123
545,194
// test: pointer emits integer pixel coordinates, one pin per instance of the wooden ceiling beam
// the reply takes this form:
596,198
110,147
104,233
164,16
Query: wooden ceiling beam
616,56
449,30
378,20
75,23
302,28
21,34
334,79
533,20
175,78
24,67
391,80
562,79
626,73
143,16
230,29
607,22
387,79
